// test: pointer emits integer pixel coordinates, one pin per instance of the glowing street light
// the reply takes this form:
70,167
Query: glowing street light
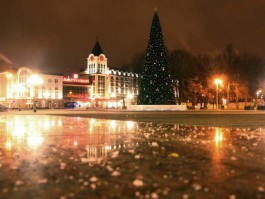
35,80
217,83
258,93
129,96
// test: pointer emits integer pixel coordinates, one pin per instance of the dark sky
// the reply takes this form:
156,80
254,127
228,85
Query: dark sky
58,35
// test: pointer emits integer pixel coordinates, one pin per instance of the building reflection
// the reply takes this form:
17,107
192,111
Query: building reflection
24,131
106,136
96,138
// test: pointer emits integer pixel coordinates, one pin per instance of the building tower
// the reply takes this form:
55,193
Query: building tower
96,71
108,87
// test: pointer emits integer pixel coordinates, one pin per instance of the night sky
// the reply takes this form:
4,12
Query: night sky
58,35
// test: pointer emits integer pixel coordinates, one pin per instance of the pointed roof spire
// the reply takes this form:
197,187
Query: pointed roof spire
97,50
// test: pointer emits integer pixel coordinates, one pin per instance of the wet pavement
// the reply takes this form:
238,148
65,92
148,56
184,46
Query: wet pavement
224,118
74,157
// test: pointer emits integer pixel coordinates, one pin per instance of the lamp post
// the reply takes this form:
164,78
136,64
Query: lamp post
123,103
34,80
258,92
217,83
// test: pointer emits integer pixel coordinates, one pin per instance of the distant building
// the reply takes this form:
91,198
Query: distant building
21,88
97,86
109,87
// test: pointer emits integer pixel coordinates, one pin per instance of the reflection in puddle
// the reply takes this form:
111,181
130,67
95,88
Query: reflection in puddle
75,157
97,137
218,138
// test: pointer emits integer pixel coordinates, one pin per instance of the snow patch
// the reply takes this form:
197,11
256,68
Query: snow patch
138,183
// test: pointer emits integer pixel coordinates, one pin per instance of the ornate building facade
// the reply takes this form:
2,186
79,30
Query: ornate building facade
23,88
109,87
96,86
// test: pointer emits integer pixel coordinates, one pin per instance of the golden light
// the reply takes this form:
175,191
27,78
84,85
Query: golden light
219,136
130,124
53,123
19,88
46,94
35,141
113,95
46,125
60,123
113,124
35,80
259,91
108,148
19,131
60,96
8,145
218,81
8,75
129,96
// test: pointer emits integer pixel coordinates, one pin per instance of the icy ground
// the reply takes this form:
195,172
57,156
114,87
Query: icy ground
73,157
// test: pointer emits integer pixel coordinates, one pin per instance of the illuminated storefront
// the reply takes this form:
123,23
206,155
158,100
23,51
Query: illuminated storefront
76,90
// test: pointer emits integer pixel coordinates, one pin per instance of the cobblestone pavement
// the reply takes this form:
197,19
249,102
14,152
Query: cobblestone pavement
44,156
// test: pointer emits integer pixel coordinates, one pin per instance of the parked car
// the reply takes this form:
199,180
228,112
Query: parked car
70,104
3,108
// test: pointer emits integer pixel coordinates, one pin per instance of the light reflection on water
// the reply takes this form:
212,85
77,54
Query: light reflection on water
97,137
173,158
100,137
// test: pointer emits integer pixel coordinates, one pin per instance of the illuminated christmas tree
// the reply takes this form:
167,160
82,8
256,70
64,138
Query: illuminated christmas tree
156,86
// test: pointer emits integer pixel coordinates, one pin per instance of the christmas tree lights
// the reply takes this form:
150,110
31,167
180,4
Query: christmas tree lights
156,86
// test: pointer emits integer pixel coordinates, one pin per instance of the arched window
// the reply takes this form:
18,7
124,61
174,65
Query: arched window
23,76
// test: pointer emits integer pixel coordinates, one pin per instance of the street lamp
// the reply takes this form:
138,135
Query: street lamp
217,83
258,92
35,80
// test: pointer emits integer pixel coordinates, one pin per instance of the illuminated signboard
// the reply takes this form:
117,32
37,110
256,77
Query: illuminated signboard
73,80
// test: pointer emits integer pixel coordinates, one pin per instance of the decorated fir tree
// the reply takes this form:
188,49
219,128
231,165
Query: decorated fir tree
156,86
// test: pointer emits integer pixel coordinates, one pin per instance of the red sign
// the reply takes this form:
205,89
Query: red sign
73,80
